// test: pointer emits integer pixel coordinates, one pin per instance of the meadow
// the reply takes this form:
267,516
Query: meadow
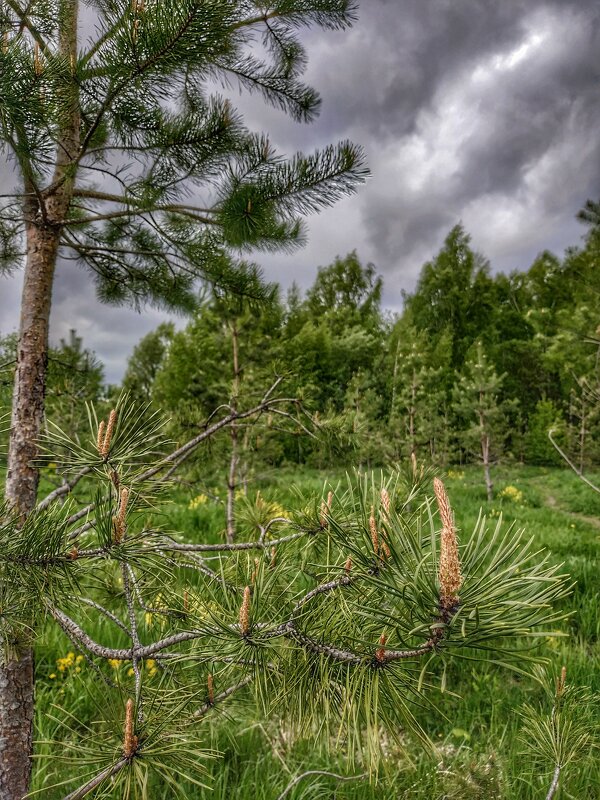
477,724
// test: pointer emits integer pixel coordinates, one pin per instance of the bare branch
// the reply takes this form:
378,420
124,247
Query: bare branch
108,614
178,456
566,458
230,547
64,489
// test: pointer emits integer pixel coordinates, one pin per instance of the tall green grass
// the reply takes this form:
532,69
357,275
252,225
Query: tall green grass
477,728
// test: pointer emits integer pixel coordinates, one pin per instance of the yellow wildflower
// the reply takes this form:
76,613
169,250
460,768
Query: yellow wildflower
63,664
513,494
455,474
199,500
114,663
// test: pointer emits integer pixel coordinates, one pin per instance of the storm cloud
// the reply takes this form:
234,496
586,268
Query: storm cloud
474,111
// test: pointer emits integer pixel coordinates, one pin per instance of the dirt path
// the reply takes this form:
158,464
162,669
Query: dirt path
552,502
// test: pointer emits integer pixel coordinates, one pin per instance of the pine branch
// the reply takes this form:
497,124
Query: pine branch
28,25
203,710
176,457
259,544
97,780
112,770
554,785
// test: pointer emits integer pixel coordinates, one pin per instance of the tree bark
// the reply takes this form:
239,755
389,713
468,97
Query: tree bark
30,375
44,213
16,675
16,715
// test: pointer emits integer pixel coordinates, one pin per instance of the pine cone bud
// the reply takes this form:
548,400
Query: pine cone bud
101,431
385,548
385,501
323,514
245,613
104,445
119,526
449,567
374,534
413,461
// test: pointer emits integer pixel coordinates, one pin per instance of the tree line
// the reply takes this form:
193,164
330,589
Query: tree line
476,367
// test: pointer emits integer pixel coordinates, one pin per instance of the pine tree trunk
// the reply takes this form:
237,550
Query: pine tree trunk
16,724
44,215
16,676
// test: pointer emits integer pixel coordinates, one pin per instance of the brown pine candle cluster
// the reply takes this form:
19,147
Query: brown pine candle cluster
325,510
378,539
105,434
119,524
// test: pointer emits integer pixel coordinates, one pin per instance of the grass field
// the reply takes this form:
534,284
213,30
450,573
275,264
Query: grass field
477,728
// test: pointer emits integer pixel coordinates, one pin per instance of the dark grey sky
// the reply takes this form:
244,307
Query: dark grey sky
477,111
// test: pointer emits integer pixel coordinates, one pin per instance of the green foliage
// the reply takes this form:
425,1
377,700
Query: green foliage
477,403
538,448
454,294
393,386
558,738
284,610
139,98
146,360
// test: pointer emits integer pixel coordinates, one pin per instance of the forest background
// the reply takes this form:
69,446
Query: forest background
478,367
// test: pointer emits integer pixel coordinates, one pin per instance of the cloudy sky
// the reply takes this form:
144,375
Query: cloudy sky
477,111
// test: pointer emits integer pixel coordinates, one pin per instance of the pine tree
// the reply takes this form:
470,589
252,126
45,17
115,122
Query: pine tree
476,401
349,643
125,163
417,394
